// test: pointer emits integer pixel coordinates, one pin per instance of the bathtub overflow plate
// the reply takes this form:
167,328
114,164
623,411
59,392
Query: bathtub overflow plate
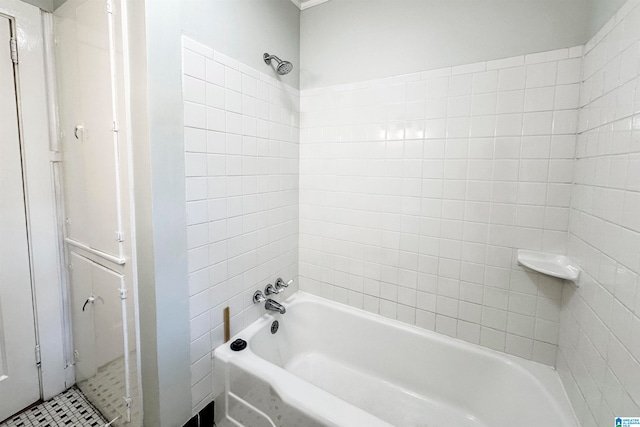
274,326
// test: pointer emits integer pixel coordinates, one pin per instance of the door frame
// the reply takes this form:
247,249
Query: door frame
39,157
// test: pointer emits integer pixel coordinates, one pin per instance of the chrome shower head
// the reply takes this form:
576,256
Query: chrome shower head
283,67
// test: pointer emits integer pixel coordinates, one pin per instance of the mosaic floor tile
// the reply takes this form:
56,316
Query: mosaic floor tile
106,390
68,409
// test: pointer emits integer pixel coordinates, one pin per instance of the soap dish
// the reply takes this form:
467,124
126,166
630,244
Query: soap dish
554,265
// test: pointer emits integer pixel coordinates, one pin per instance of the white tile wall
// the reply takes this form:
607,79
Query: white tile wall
416,190
599,348
241,167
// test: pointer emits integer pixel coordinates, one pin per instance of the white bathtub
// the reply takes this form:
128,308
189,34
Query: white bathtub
330,364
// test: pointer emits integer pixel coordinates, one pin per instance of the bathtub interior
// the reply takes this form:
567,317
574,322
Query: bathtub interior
410,375
424,368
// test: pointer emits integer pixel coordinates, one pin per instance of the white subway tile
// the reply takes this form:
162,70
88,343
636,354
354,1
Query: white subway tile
510,102
514,61
565,122
190,44
569,71
512,78
537,123
544,353
225,60
550,56
232,79
460,85
492,338
215,119
485,82
195,115
540,99
193,64
540,75
519,346
214,72
437,88
567,97
468,68
194,90
195,140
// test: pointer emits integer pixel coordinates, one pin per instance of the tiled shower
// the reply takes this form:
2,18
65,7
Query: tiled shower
599,341
408,196
166,172
241,164
417,189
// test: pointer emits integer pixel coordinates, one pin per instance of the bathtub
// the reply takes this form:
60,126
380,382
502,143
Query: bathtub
333,365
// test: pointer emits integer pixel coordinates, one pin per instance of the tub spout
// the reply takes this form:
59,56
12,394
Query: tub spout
274,306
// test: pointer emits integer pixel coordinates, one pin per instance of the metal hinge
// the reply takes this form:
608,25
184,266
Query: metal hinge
119,236
109,6
114,126
38,356
123,293
76,356
14,50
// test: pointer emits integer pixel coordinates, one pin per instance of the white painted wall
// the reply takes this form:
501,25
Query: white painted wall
600,13
246,29
46,5
599,357
354,40
160,215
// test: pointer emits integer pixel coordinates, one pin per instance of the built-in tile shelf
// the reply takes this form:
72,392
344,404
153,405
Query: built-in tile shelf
554,265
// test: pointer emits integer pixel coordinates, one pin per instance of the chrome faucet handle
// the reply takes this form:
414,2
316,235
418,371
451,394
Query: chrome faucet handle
272,290
281,284
258,297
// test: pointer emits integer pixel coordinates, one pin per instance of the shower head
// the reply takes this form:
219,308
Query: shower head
283,67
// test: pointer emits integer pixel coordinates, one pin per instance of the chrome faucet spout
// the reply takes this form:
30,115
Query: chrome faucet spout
274,306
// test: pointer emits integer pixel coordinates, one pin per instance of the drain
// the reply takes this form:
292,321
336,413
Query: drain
274,326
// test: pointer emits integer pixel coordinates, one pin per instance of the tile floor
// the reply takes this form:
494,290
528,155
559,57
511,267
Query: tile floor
70,409
107,389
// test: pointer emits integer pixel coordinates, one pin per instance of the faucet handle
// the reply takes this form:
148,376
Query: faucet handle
281,284
258,297
272,290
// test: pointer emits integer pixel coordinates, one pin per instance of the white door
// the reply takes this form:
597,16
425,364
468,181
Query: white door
19,383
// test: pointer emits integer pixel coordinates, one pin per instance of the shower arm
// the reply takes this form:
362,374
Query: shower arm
267,58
